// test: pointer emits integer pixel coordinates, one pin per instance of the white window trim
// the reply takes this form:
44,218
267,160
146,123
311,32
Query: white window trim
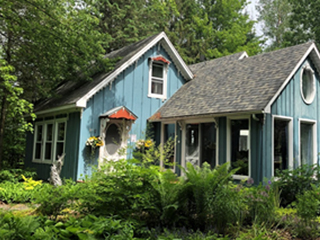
314,133
162,143
290,138
238,177
307,67
55,123
165,71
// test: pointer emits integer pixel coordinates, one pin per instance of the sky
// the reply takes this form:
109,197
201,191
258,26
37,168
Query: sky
251,9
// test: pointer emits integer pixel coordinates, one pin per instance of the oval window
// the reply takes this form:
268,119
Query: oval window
113,139
307,85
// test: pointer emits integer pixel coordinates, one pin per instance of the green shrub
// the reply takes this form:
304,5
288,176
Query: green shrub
53,200
307,206
16,228
198,193
292,183
16,192
15,175
120,188
262,202
89,227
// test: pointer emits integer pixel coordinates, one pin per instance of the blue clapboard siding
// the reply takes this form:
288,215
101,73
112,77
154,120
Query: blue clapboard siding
290,103
69,169
129,89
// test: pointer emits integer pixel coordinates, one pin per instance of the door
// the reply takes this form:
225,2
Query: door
193,144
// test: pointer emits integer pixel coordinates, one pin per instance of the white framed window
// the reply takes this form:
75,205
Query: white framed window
308,141
307,84
49,140
238,146
157,79
282,143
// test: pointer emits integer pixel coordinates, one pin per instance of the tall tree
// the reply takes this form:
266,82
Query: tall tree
46,42
274,15
304,22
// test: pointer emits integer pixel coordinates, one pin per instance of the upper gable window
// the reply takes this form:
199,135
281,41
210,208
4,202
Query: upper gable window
307,84
158,78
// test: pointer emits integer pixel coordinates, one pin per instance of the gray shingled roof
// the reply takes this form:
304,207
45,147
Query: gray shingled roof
228,85
69,92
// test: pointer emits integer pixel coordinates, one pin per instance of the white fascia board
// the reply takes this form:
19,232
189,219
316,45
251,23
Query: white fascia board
267,109
243,55
58,109
82,102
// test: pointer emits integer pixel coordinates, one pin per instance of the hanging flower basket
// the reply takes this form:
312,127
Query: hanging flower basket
94,142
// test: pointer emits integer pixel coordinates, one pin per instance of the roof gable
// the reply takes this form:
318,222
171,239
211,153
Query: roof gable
76,94
232,85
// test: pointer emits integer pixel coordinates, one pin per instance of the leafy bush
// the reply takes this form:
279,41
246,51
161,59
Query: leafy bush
53,200
262,202
15,193
17,228
292,183
199,193
15,175
307,206
120,188
37,228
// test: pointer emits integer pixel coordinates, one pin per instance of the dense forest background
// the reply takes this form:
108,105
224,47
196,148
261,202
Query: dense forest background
43,43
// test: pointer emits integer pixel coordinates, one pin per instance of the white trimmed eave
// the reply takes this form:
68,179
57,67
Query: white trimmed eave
205,117
182,66
66,108
315,56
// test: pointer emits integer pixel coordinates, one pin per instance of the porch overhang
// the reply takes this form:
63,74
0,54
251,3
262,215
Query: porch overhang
119,113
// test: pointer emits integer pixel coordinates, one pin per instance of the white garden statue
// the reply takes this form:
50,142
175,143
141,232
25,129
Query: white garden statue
56,167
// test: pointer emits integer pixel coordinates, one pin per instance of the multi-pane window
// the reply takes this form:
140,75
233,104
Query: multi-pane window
157,81
49,140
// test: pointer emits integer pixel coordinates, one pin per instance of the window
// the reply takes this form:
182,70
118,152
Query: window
49,140
307,84
282,144
157,80
239,146
308,148
113,139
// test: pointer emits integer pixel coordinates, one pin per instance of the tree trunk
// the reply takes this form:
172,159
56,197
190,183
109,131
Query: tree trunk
2,126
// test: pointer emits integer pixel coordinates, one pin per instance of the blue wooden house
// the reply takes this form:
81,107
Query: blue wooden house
114,106
259,113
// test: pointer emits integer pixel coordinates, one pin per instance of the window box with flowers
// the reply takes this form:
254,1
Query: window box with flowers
94,142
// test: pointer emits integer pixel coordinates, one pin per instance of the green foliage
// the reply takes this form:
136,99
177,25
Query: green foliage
120,188
274,14
15,228
200,191
88,227
307,209
15,175
262,202
292,183
16,192
53,200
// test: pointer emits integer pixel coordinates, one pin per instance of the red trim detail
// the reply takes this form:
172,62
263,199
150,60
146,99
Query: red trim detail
123,113
161,59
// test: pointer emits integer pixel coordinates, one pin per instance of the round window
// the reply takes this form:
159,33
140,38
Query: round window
307,85
113,139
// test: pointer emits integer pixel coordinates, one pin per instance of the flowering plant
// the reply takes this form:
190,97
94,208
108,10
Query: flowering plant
94,142
141,143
